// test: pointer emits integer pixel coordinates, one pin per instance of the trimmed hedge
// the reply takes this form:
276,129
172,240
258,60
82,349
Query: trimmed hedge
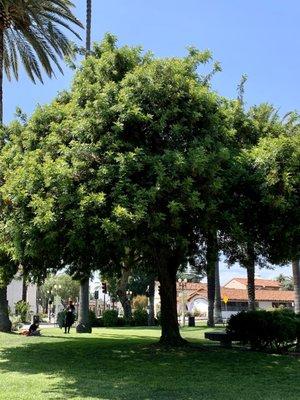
110,318
266,330
140,317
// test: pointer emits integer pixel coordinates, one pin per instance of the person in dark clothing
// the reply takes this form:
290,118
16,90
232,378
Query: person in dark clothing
32,331
70,316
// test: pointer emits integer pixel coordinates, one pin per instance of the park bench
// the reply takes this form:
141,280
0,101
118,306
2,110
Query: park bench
224,338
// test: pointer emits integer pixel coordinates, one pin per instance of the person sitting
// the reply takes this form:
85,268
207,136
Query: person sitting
32,331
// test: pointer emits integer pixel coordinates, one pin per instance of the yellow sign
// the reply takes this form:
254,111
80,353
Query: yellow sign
225,299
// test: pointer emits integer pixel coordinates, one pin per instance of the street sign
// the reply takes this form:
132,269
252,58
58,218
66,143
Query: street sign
225,299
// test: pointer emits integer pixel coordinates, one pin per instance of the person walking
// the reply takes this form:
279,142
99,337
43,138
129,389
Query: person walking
70,316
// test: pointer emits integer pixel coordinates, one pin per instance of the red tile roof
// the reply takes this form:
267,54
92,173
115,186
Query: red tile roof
258,282
242,295
260,295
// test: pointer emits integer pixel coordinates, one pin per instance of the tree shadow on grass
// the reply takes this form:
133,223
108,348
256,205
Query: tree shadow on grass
116,368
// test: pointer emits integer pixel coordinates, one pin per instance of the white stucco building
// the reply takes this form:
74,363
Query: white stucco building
14,294
268,294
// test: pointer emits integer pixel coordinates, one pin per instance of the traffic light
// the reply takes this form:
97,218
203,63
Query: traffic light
96,295
104,287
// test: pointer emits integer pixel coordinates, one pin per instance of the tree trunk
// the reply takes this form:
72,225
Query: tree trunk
126,304
24,289
296,278
121,292
5,324
250,265
151,316
1,74
211,259
88,26
170,335
83,312
218,300
83,317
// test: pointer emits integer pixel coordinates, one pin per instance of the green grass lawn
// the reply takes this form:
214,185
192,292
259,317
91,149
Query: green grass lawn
117,364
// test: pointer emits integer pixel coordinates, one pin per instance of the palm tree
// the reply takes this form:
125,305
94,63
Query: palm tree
83,312
296,277
88,26
31,32
218,300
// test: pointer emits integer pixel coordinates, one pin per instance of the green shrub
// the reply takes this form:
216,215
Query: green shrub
121,321
93,319
22,310
61,318
140,302
270,330
16,323
140,317
110,318
95,322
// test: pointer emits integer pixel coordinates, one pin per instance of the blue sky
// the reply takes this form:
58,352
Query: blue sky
257,38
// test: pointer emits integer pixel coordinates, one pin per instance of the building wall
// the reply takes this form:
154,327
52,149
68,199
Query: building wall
265,305
32,297
14,294
199,304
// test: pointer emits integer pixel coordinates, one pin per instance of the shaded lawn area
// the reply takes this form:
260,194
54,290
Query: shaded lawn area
121,364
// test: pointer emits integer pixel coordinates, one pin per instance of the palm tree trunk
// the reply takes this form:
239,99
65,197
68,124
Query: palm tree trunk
218,301
211,259
24,289
5,324
83,325
296,277
250,265
83,312
88,26
151,316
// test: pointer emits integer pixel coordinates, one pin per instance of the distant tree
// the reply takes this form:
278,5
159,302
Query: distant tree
61,285
277,160
286,282
254,231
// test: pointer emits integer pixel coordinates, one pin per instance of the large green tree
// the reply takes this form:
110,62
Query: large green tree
251,220
277,160
129,160
32,31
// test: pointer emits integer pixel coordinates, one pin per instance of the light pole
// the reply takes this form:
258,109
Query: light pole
182,285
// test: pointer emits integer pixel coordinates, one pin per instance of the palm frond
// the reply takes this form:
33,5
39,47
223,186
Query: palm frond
33,33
